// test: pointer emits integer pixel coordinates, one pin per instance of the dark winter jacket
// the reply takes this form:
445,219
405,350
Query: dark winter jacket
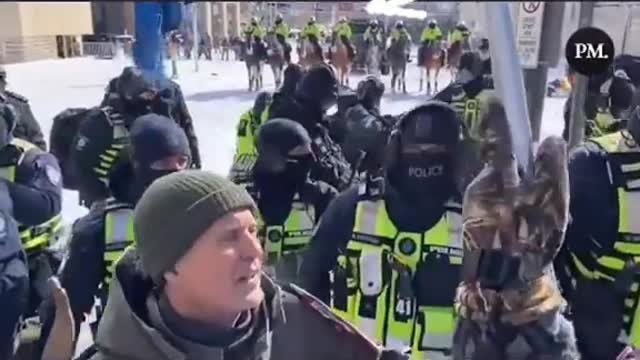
289,324
27,127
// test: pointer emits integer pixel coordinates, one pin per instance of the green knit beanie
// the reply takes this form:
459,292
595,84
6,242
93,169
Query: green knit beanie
176,209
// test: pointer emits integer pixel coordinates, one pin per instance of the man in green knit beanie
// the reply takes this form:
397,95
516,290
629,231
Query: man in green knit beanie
194,288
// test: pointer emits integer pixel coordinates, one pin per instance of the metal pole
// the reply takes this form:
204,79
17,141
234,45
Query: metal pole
196,35
576,130
627,27
536,79
509,83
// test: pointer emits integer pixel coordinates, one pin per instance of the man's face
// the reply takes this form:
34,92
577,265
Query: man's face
221,272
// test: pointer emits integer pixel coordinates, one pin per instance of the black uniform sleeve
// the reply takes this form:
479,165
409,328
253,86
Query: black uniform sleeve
182,116
330,237
81,272
320,194
28,127
37,191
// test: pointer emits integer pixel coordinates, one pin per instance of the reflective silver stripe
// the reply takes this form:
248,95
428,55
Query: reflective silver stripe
633,211
434,355
368,217
120,220
437,341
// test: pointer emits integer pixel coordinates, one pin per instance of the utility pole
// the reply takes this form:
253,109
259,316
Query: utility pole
196,35
579,94
535,80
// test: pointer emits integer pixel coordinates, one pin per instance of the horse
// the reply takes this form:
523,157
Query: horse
453,57
309,54
275,57
374,55
341,61
397,54
433,58
252,52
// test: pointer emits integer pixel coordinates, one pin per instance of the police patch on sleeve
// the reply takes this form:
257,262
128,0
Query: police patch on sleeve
53,175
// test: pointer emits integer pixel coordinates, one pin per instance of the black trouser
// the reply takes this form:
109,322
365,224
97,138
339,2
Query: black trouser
14,294
285,46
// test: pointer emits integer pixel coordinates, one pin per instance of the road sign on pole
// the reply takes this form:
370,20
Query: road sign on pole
530,16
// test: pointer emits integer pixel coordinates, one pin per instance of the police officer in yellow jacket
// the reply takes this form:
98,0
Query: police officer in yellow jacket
157,147
395,257
33,179
289,203
246,153
313,33
282,31
342,31
430,38
599,267
460,35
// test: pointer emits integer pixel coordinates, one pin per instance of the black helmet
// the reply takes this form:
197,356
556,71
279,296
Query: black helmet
278,17
621,93
433,23
319,86
370,91
63,131
262,101
280,141
312,20
254,21
472,62
291,77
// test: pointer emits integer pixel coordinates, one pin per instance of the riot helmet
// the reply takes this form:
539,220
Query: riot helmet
291,78
254,21
279,19
461,26
399,25
138,92
373,23
420,156
312,20
432,24
319,87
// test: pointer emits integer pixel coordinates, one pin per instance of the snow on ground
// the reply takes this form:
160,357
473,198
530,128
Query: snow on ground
216,96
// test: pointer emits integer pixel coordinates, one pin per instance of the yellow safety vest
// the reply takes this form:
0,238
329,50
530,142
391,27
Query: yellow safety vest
246,152
284,243
34,238
468,109
626,249
399,287
118,234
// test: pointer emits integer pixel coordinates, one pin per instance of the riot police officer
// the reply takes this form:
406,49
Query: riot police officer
289,203
157,147
27,127
384,248
317,93
285,94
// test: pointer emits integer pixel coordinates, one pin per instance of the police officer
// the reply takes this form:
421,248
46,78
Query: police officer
342,31
395,256
317,93
400,32
27,127
289,203
282,31
285,94
14,270
33,180
469,92
372,35
255,30
313,33
430,38
460,35
131,94
245,156
599,266
158,147
609,96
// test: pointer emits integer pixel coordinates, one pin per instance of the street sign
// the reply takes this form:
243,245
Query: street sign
530,15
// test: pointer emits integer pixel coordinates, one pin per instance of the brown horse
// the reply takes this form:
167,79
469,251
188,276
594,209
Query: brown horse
309,55
341,61
433,59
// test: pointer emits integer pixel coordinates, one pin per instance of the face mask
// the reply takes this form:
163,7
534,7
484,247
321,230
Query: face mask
432,26
423,180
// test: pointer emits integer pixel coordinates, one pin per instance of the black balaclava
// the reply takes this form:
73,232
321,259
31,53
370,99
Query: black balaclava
154,137
291,78
370,91
279,173
425,177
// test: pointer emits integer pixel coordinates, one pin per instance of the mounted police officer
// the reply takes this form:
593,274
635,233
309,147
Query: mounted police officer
313,33
373,35
282,31
27,127
342,32
460,35
399,32
157,147
395,254
430,38
289,203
